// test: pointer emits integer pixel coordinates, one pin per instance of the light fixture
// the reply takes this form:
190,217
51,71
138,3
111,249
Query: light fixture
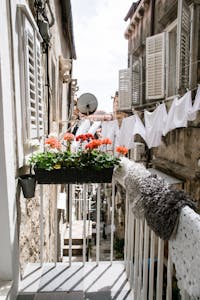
74,82
74,85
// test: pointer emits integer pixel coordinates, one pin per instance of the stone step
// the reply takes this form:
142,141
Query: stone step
74,241
77,250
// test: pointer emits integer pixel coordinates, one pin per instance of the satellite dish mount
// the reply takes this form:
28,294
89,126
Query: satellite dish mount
87,104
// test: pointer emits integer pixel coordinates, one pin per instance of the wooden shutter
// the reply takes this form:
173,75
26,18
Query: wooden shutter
183,45
30,77
136,82
124,90
33,78
155,66
194,45
40,109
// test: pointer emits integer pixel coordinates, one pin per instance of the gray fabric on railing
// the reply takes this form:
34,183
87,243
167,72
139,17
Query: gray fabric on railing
152,198
162,206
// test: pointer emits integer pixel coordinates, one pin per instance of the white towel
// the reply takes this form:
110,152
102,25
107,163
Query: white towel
155,123
110,130
196,106
84,127
178,113
129,128
184,251
94,127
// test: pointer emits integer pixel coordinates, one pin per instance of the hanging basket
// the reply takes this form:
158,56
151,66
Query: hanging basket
28,183
73,175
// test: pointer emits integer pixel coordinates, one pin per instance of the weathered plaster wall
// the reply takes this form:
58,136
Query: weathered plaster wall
29,226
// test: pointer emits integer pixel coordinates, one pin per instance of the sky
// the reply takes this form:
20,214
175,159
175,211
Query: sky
101,48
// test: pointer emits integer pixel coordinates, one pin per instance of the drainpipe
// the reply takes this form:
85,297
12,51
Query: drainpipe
152,30
48,88
153,4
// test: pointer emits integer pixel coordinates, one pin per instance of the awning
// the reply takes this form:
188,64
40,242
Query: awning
167,178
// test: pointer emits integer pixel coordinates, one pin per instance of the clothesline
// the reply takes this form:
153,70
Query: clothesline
156,124
158,102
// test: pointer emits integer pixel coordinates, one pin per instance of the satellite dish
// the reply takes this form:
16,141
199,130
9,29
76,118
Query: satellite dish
87,104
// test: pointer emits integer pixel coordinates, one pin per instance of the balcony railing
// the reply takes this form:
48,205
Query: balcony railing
147,259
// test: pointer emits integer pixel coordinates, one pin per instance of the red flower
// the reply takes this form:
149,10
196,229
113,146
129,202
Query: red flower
84,137
81,138
122,150
89,136
106,141
93,144
53,143
68,136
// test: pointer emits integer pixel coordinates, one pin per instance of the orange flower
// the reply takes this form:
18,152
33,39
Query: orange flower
68,136
93,144
106,141
122,150
53,143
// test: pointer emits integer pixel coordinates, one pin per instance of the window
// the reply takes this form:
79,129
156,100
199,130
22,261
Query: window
171,60
32,79
155,66
167,57
125,101
136,81
183,44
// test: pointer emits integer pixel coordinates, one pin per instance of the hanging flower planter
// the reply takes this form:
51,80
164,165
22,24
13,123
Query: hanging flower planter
73,175
88,164
28,183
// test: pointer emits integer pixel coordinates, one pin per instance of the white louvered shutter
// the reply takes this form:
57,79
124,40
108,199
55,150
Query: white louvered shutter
30,77
40,109
183,45
33,78
155,66
124,90
136,82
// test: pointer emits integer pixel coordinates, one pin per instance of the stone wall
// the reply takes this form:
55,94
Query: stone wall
29,226
179,156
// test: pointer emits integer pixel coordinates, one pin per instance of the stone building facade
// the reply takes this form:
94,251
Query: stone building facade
164,62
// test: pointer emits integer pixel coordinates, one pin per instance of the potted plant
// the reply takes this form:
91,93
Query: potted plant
28,183
90,162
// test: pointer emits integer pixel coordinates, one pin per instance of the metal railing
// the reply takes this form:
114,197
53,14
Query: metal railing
146,257
147,261
84,216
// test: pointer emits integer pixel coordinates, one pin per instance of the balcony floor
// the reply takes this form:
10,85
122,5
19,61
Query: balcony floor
77,282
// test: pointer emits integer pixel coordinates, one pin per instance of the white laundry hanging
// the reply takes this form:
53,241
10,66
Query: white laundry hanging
196,106
84,127
129,128
178,113
155,123
139,128
110,130
94,127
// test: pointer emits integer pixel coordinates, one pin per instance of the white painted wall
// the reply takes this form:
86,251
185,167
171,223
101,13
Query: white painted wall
11,141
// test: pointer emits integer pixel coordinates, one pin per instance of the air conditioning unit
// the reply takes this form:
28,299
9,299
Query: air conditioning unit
137,153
